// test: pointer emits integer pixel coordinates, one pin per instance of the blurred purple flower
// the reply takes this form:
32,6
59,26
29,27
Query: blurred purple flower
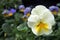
5,11
12,11
52,8
21,7
27,10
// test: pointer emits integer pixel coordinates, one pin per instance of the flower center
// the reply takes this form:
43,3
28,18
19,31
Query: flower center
5,14
28,14
41,26
21,10
54,12
10,14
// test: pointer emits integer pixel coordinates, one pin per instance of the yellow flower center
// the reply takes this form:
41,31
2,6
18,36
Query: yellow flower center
5,15
41,26
10,14
54,12
28,14
24,19
21,10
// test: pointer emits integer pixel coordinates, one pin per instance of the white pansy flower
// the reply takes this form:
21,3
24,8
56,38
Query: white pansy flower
41,21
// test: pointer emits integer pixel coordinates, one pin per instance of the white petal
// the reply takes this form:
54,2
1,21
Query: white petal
33,18
49,18
38,10
41,7
36,33
31,24
43,31
49,26
48,32
35,11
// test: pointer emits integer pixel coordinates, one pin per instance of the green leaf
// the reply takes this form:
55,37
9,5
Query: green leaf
10,38
10,21
2,38
22,27
1,32
30,38
7,28
17,16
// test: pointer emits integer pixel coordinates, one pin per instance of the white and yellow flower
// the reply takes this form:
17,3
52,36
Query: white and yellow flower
41,21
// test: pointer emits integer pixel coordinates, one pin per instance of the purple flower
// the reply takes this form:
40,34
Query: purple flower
27,10
12,11
52,8
5,11
21,7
